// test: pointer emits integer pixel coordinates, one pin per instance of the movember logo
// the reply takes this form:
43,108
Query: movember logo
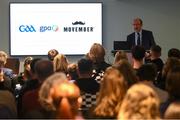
78,23
79,28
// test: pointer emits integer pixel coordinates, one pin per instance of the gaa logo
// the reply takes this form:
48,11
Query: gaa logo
26,28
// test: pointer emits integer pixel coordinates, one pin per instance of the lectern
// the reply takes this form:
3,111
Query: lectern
124,46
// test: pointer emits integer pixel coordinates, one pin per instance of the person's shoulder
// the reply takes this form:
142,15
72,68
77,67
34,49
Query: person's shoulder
6,94
146,31
131,34
7,70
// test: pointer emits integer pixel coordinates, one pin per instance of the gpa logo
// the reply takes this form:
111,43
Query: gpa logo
53,28
27,28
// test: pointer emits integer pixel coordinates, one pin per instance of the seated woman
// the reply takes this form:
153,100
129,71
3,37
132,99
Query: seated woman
97,55
52,54
140,102
112,91
60,63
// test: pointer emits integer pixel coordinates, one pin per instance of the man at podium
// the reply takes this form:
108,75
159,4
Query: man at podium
140,36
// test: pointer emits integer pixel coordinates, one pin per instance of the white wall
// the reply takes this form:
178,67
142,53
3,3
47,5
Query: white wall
160,16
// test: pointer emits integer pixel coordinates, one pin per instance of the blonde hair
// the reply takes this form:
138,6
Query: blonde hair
96,53
45,98
27,67
60,63
112,92
173,111
120,55
140,102
3,57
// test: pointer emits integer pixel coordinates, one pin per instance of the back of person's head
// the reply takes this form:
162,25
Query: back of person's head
60,96
173,111
45,96
52,53
112,91
173,82
169,64
85,66
126,69
27,68
66,97
138,52
155,50
96,53
27,61
140,102
147,72
32,64
72,71
3,58
60,63
43,69
120,55
174,52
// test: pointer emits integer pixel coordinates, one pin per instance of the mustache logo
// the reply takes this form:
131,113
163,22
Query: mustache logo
78,23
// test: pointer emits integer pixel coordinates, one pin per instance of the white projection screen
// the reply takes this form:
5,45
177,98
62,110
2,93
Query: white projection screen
71,28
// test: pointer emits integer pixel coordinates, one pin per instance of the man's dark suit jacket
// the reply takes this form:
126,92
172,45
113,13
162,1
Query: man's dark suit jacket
147,39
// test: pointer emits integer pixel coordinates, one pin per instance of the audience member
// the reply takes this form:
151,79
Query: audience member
29,84
97,54
89,87
147,74
43,69
72,71
6,113
155,53
27,68
112,91
52,53
126,69
7,100
5,83
173,87
66,97
140,102
59,98
120,55
32,83
3,59
173,111
174,52
138,54
60,63
6,74
169,64
25,75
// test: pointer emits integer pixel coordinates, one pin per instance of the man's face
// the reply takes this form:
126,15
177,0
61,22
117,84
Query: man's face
137,25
